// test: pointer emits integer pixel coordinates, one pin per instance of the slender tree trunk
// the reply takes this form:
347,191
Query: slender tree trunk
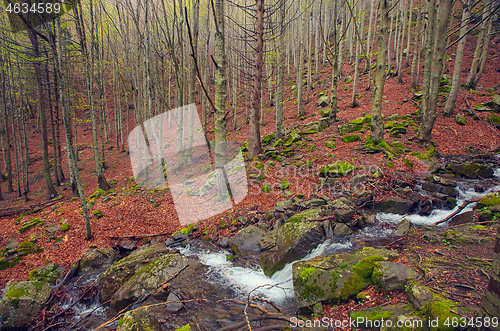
380,74
280,81
491,302
43,121
335,68
416,51
457,71
434,59
52,129
300,71
254,147
6,137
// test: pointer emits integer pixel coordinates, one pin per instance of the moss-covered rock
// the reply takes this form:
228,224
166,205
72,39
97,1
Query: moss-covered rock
336,277
323,101
331,143
48,273
148,278
22,301
399,314
338,169
246,240
460,119
118,273
489,200
351,138
391,276
29,224
96,259
309,214
472,170
140,319
349,128
290,242
292,137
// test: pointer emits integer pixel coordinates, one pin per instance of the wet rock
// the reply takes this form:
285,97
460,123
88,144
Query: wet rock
173,306
341,230
463,218
140,319
179,236
117,274
289,243
97,258
21,302
355,180
402,228
457,236
419,295
395,205
489,200
327,228
391,276
268,215
278,223
337,204
150,277
246,240
430,187
344,215
336,277
224,242
472,170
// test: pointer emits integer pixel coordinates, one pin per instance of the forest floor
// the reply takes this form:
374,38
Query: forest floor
143,212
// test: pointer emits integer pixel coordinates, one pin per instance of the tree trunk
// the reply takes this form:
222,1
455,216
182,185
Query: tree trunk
434,63
300,71
43,125
254,147
280,81
335,67
6,138
380,74
416,51
457,71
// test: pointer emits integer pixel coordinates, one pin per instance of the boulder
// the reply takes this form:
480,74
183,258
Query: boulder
355,180
324,101
97,258
243,220
489,200
419,295
363,197
281,206
246,240
48,273
463,218
472,170
402,228
336,277
118,273
391,276
150,277
341,230
337,169
349,128
289,243
308,214
140,319
21,302
395,205
460,119
378,318
495,103
343,215
313,203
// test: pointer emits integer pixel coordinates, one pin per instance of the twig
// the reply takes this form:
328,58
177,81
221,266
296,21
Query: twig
462,206
143,235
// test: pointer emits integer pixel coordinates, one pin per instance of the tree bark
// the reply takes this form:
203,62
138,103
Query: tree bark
457,70
254,147
491,302
380,74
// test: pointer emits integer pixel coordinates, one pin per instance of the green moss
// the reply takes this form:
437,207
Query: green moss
351,138
188,229
331,143
184,328
266,188
28,225
97,213
259,165
478,228
338,169
352,286
386,146
307,272
284,184
364,268
375,315
408,163
439,309
65,227
222,224
489,200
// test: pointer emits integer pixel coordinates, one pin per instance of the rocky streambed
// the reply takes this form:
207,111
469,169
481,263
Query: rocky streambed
277,263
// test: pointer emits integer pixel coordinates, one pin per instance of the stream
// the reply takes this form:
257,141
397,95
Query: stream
219,279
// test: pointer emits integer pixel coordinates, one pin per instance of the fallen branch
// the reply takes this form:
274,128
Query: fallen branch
143,235
252,319
460,208
475,223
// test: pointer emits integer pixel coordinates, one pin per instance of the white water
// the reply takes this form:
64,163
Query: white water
465,193
277,288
